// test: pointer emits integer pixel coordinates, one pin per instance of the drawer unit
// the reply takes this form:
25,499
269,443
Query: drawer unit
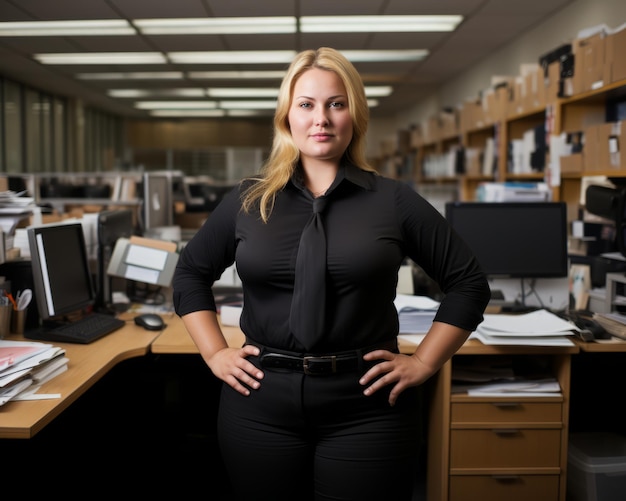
505,447
505,411
499,447
504,487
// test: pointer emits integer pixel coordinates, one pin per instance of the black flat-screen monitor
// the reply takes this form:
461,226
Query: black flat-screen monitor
111,225
514,239
61,275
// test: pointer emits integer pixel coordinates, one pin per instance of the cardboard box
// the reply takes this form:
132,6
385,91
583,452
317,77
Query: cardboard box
615,63
534,87
417,137
572,163
472,116
603,146
448,124
589,62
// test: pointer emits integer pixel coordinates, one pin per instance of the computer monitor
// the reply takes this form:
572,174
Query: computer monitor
514,239
62,279
158,200
111,225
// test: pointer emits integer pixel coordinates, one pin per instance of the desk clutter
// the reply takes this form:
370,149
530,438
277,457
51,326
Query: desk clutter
25,366
537,328
504,376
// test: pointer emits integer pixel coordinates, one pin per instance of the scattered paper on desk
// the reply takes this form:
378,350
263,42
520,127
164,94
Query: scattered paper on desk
26,365
536,323
509,340
415,302
415,313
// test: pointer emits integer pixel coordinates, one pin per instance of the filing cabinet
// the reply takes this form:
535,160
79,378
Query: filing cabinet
495,448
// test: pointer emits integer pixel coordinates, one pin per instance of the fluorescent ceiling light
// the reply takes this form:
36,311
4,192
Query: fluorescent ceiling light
286,56
234,75
232,25
207,113
67,28
102,58
248,105
176,105
364,24
233,57
217,25
242,92
188,113
133,75
224,92
247,113
220,57
142,93
370,56
378,91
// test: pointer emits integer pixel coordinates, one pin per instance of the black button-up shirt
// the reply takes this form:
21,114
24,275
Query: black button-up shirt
372,224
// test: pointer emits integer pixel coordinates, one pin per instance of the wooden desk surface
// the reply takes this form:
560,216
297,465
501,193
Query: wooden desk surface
87,364
175,339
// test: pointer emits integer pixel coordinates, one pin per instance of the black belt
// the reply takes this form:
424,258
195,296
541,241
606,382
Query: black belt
320,365
311,365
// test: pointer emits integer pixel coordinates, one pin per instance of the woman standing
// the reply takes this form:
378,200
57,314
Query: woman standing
318,404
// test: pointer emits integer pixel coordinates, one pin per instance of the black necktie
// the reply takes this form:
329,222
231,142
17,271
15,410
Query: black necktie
308,306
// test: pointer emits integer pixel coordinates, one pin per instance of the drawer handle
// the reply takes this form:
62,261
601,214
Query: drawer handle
506,404
505,431
506,478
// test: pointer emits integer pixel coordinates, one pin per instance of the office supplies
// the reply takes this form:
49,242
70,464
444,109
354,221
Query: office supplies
23,299
590,329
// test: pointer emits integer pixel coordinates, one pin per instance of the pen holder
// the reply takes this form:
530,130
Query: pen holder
18,320
5,319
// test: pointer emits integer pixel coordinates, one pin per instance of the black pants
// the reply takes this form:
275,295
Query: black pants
319,438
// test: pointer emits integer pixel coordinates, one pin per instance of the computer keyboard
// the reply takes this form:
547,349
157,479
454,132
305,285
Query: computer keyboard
85,330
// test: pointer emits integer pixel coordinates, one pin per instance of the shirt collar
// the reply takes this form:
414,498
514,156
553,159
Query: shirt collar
347,171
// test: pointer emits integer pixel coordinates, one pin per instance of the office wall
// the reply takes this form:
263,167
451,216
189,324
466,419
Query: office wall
561,28
189,134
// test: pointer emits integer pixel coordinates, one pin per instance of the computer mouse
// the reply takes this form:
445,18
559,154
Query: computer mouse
150,321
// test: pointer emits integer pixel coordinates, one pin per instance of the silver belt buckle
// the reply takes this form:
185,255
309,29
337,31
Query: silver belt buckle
309,362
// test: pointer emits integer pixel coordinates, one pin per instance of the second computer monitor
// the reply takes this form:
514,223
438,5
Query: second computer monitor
514,239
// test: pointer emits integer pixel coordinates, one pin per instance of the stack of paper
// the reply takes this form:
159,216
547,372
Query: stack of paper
25,366
415,313
13,208
496,376
614,323
538,328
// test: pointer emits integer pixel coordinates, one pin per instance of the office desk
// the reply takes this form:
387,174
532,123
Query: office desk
175,339
87,364
520,437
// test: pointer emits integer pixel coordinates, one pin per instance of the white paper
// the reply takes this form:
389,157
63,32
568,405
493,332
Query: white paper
415,302
536,323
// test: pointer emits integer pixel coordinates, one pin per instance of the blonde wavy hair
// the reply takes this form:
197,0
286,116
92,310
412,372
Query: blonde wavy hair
284,156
